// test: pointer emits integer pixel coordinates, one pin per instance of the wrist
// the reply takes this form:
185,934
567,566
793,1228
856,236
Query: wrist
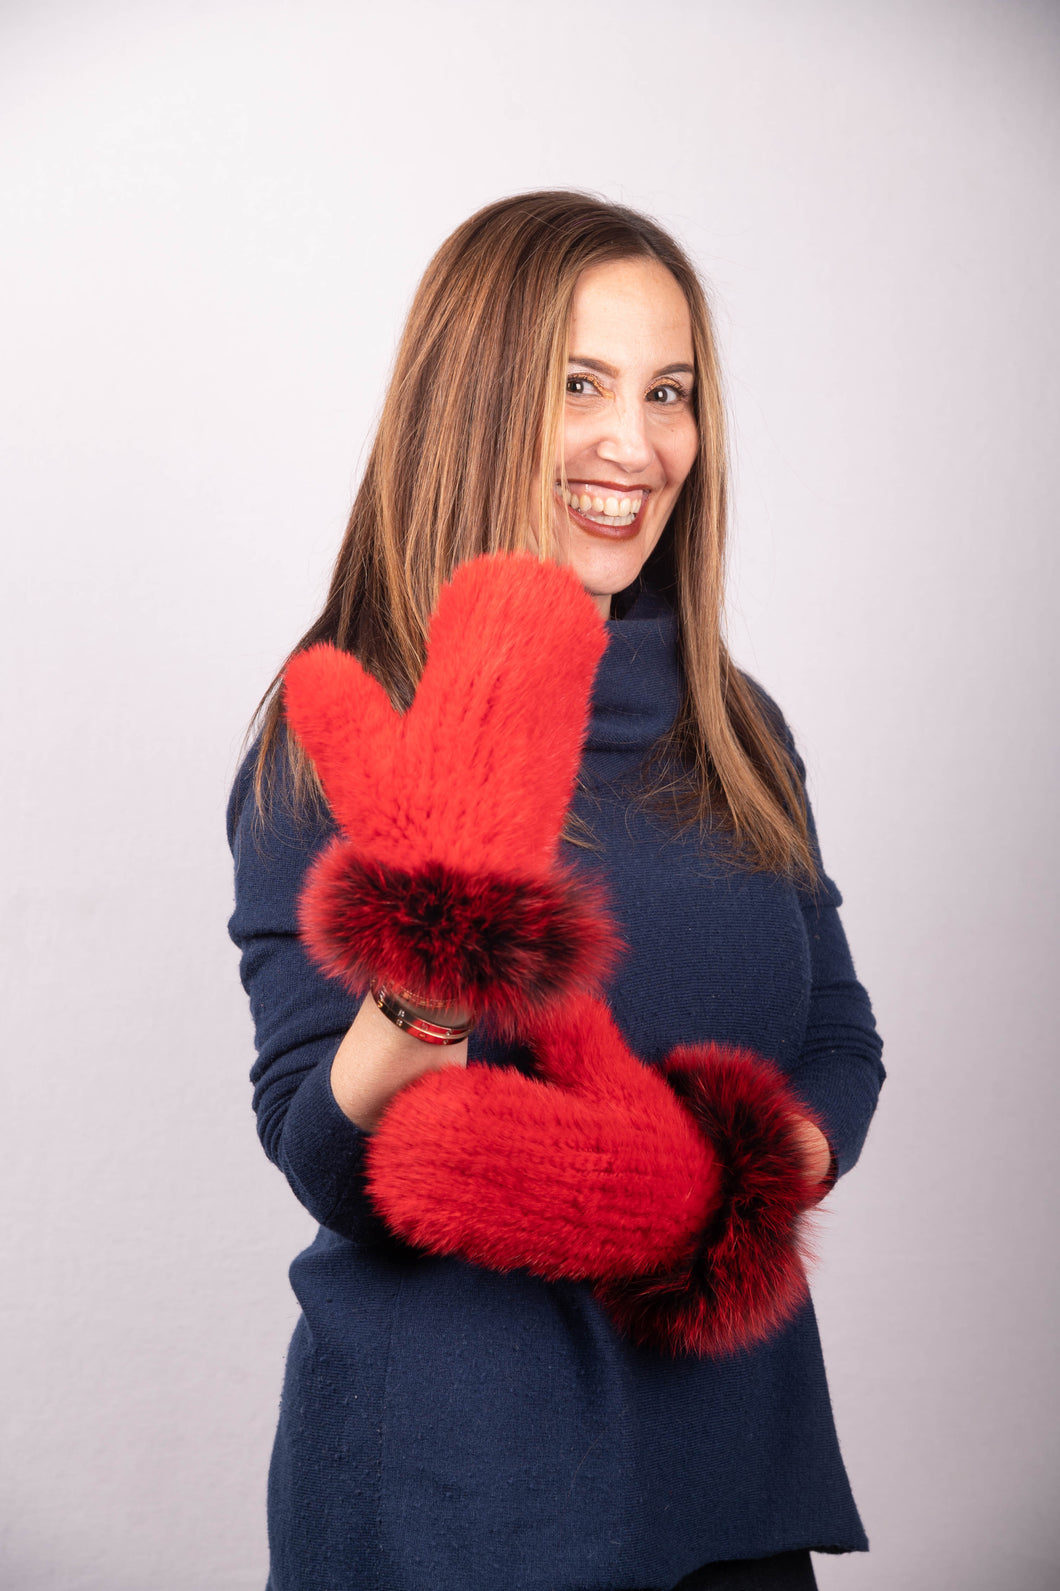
376,1059
815,1152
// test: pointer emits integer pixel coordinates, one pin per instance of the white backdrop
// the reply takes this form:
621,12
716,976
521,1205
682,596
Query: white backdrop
214,217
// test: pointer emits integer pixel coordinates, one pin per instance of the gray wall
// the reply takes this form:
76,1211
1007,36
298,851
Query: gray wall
215,217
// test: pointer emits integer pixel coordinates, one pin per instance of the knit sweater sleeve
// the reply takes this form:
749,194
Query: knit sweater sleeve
839,1071
300,1017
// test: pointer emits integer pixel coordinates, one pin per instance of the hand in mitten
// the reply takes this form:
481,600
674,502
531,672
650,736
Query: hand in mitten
592,1170
745,1275
678,1195
443,880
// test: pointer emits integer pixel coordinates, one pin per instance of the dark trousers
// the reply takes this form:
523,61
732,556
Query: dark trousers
785,1571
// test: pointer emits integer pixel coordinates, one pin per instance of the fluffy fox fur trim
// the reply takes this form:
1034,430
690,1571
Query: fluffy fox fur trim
506,946
746,1276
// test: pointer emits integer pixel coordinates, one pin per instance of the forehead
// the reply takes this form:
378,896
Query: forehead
629,307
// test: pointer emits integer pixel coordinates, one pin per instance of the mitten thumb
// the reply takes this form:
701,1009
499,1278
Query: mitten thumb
579,1047
344,721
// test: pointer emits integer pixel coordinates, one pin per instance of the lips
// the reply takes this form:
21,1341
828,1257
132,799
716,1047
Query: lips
604,508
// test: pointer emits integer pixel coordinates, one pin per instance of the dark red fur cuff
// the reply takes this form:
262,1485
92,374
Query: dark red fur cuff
503,946
745,1277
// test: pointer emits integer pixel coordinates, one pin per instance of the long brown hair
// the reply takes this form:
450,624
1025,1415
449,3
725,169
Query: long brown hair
471,419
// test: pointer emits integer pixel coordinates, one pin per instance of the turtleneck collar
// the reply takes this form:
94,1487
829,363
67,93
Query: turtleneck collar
637,691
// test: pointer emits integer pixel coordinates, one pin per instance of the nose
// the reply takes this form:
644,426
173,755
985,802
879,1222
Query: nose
624,440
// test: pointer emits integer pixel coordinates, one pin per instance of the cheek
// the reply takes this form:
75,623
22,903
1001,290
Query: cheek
577,436
682,453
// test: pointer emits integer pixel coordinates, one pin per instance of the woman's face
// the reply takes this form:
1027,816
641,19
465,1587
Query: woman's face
629,430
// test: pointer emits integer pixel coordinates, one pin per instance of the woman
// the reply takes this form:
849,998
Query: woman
555,1335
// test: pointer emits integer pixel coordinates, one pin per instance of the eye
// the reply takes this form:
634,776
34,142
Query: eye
581,386
667,393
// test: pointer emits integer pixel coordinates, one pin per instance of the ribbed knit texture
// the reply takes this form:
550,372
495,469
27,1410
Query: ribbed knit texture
447,1428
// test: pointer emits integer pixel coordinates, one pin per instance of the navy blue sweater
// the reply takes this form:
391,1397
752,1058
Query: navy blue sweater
447,1428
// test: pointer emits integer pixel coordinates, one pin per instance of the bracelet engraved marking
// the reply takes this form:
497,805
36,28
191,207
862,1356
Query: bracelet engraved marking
392,1004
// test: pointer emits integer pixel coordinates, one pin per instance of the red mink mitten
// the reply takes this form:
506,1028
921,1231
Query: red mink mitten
592,1169
444,881
679,1195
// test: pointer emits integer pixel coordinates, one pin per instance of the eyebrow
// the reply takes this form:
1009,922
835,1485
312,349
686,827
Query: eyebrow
609,370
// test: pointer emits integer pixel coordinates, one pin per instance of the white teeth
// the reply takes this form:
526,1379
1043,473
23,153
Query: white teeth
615,511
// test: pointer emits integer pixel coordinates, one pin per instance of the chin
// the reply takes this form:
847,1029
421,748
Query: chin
606,571
605,560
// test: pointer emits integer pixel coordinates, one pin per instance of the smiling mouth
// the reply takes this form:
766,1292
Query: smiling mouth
609,507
